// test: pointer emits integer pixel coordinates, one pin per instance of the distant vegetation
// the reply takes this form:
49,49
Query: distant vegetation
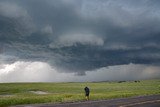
27,93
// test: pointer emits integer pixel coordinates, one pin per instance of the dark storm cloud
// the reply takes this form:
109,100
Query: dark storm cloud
81,35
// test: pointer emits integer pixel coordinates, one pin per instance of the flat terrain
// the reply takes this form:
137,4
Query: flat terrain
37,93
141,101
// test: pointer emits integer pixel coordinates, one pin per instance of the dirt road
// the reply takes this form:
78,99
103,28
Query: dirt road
142,101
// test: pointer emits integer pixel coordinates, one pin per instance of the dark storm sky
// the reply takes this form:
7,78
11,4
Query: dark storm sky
80,35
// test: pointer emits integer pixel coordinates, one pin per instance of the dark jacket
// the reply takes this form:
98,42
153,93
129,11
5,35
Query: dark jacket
87,91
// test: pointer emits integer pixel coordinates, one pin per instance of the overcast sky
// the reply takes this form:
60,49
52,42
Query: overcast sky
79,40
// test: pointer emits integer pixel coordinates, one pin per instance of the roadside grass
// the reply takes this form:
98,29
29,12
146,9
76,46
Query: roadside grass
19,93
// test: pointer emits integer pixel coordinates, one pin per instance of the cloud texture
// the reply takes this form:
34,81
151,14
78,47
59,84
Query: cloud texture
77,36
43,72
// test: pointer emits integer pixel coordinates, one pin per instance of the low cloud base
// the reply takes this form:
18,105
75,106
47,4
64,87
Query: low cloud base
43,72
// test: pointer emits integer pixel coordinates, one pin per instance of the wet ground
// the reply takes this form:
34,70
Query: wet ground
141,101
39,92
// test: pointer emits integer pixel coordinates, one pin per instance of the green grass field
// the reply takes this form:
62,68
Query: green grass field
20,93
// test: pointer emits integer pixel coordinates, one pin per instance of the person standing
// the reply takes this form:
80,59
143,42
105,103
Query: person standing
87,91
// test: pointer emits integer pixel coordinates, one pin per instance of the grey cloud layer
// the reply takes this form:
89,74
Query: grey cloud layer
43,72
81,35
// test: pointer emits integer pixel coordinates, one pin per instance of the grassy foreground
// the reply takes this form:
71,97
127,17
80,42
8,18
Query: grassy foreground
20,93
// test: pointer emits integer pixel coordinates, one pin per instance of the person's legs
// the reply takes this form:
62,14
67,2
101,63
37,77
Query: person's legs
87,96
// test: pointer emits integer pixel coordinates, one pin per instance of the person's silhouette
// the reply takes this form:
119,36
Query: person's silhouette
87,91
